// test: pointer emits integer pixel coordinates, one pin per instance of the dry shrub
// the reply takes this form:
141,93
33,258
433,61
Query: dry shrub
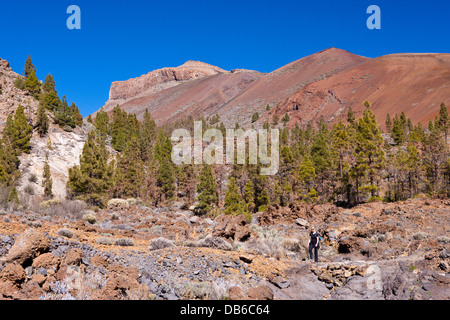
64,232
124,242
160,243
269,242
68,209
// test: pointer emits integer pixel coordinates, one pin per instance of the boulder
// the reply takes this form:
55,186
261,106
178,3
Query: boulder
14,273
27,246
302,223
348,245
231,227
73,257
261,292
46,261
120,286
280,282
236,293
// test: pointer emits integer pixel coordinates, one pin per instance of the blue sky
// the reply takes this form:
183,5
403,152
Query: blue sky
119,40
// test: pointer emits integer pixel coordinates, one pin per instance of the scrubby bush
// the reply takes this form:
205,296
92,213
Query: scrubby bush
89,216
50,203
29,189
32,178
117,203
134,201
67,209
156,229
269,242
124,242
105,241
64,232
160,243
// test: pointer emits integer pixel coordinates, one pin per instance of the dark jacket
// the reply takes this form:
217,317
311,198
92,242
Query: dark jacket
314,238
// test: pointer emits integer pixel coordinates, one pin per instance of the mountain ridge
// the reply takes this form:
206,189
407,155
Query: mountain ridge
248,92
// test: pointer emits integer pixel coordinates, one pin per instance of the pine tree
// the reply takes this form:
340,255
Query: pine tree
255,117
42,123
447,178
130,169
13,196
3,175
249,196
275,120
234,204
207,194
413,170
148,136
398,131
321,155
340,142
33,85
20,83
350,116
444,120
75,112
285,119
29,67
102,124
63,116
434,156
49,84
9,163
165,173
92,179
18,132
369,153
47,182
50,100
119,129
306,177
388,123
187,181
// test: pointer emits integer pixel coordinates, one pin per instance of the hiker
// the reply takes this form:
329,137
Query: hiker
314,244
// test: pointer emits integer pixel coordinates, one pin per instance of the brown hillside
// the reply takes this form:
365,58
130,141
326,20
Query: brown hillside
172,93
414,83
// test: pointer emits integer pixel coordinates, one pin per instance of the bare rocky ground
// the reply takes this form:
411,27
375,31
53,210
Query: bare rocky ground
129,251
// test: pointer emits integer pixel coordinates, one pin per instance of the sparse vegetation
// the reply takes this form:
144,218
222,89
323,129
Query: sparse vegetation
124,242
64,232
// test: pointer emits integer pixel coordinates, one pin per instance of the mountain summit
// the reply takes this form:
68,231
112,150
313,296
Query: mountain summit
199,89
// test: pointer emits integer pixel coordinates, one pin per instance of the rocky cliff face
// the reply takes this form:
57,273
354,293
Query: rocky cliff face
65,148
64,153
11,97
158,80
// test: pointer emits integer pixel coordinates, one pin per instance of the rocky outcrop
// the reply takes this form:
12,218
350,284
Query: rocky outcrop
64,148
158,80
27,246
63,153
11,97
232,228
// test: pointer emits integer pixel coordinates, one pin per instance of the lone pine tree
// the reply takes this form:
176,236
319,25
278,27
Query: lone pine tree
47,182
206,188
92,179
